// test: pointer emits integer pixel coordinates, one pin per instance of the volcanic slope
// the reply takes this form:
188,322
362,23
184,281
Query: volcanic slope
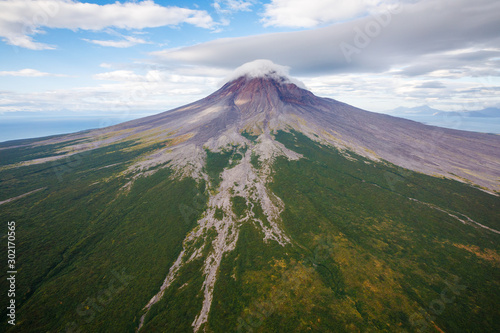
258,208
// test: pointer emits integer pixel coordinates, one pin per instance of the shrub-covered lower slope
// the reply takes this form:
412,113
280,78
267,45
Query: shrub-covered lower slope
372,247
394,263
89,254
375,248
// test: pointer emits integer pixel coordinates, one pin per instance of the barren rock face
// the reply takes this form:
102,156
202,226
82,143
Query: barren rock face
267,103
263,105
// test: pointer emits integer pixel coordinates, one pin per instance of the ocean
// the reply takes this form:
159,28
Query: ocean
23,128
473,124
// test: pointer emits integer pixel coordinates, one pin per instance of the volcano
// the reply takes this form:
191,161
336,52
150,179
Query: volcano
261,207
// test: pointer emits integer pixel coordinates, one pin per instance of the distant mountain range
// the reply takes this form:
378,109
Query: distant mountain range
425,110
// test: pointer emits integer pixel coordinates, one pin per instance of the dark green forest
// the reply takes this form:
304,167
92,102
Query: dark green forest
374,247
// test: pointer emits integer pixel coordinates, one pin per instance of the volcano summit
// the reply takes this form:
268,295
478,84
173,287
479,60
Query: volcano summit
261,207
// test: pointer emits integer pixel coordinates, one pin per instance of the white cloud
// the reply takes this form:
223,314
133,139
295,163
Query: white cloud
120,75
442,63
231,6
145,89
263,68
226,8
20,20
28,72
311,13
128,41
458,42
431,85
382,92
154,89
393,39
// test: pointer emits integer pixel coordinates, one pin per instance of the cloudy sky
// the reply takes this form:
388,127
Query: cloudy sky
139,57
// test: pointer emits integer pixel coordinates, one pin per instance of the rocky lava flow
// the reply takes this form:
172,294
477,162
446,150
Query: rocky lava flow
242,180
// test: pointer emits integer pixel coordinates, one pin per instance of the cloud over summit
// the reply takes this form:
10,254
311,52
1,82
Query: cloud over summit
375,54
263,68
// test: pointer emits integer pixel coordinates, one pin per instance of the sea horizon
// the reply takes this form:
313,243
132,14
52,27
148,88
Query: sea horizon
17,128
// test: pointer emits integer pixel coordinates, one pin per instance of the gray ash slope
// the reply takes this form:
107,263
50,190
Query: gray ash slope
264,103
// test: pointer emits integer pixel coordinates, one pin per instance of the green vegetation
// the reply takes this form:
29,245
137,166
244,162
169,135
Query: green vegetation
25,153
219,213
249,136
254,159
217,161
363,256
259,214
239,205
75,237
394,254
